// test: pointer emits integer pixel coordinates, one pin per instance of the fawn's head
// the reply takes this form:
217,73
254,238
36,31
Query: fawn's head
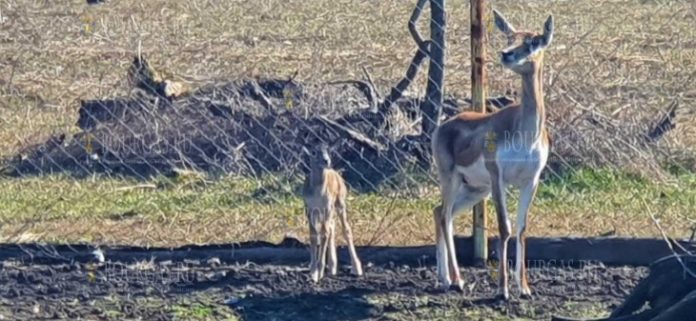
525,50
319,157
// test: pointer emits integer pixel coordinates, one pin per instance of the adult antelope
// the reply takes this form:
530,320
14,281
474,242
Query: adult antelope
482,154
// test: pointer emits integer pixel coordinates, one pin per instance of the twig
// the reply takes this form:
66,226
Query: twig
669,244
675,242
371,82
381,222
258,94
139,186
364,87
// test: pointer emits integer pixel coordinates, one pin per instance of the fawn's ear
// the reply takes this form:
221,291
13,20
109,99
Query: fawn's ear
548,30
502,23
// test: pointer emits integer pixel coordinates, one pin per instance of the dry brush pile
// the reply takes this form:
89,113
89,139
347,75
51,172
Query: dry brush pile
258,126
618,86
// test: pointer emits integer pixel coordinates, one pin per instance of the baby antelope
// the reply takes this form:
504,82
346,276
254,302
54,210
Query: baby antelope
325,194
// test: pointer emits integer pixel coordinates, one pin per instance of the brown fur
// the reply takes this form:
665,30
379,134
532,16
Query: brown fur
325,194
462,141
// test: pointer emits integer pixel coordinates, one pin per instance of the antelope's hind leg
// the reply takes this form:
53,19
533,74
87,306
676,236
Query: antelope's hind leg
457,197
332,264
348,235
314,246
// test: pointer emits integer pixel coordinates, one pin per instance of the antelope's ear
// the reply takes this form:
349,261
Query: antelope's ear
502,23
548,30
305,151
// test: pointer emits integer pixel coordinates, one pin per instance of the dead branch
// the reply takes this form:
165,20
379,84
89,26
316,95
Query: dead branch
669,289
257,93
355,135
368,88
412,27
368,77
665,124
432,105
398,90
364,87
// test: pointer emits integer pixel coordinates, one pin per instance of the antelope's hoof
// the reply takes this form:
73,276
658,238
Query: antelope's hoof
502,296
314,275
459,288
445,286
457,285
526,294
357,272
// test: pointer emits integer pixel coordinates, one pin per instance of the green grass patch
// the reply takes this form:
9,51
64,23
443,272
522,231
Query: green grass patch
584,202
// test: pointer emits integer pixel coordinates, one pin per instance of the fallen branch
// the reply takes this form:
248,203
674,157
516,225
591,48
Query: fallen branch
139,186
665,124
669,289
364,87
355,135
257,94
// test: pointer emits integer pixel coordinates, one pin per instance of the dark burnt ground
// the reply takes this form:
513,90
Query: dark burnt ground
210,291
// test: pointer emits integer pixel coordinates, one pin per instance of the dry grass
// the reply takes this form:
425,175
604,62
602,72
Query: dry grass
611,68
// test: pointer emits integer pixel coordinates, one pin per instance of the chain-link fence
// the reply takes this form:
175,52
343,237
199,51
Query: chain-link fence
185,122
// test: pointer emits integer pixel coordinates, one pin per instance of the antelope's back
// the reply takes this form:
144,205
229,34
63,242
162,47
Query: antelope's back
334,184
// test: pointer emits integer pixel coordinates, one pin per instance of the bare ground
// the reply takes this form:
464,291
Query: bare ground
209,291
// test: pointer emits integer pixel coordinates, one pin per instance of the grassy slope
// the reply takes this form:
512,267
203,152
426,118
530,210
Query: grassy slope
193,209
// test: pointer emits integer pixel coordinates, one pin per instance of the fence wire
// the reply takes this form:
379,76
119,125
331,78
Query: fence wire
156,124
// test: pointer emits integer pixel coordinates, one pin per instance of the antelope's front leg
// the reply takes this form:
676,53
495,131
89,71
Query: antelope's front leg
526,197
324,234
498,192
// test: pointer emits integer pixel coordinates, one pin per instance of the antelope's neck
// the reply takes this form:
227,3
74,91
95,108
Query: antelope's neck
317,176
533,114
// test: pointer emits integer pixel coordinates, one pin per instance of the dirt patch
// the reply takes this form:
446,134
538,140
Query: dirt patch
194,290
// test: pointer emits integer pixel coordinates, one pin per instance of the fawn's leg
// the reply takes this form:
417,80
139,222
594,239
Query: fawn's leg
333,259
323,247
313,245
348,235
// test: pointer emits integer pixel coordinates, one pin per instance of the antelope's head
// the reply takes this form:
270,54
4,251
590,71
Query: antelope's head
525,51
319,158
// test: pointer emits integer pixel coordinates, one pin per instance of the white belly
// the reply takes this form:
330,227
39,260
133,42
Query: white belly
518,165
521,164
476,174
